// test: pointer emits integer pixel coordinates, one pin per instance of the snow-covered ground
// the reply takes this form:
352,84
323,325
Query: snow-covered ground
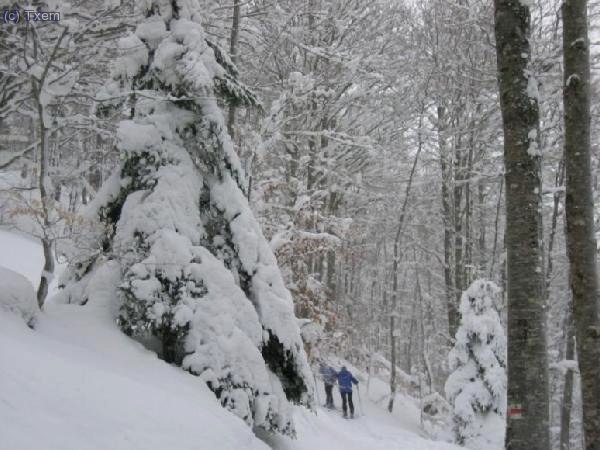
77,383
376,429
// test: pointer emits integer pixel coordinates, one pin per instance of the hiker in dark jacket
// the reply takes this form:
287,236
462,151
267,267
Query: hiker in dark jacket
329,376
345,381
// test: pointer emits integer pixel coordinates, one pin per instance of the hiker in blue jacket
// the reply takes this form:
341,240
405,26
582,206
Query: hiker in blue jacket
329,376
345,381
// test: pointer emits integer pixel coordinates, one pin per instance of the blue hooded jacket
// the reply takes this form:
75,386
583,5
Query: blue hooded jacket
345,380
328,373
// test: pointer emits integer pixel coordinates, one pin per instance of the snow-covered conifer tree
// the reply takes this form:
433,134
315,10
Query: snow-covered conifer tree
193,269
476,388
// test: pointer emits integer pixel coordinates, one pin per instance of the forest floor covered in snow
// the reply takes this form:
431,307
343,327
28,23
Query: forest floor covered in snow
375,429
77,383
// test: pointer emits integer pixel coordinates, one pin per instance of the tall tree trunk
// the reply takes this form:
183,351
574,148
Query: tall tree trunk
393,314
528,398
397,256
458,218
579,208
46,239
447,219
468,266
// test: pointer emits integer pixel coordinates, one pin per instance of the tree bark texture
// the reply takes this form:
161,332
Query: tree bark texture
528,395
579,207
567,398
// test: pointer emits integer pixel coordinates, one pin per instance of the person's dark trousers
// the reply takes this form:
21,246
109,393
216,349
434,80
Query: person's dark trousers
329,395
347,397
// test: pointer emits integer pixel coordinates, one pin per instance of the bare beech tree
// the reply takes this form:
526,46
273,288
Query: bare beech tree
579,203
528,403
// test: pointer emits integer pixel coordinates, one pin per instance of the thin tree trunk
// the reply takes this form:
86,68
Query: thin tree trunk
37,86
447,219
331,207
393,343
579,208
482,235
567,400
458,248
496,223
458,231
468,259
48,269
559,180
233,52
528,395
392,361
411,337
395,262
423,339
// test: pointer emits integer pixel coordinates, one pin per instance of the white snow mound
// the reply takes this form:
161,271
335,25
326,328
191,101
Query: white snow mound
17,295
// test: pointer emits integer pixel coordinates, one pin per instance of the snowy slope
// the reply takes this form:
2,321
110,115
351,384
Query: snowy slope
377,430
77,383
374,429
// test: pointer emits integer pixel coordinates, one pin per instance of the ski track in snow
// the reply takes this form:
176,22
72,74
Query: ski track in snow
78,383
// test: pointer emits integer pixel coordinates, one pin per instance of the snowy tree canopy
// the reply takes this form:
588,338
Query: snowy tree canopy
476,388
195,272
